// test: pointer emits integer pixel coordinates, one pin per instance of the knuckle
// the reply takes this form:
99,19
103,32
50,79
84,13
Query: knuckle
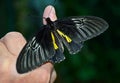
13,34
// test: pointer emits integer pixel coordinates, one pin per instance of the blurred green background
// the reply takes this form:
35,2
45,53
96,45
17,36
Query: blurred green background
98,61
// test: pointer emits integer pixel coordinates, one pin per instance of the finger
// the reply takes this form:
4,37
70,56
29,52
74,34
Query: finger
49,12
14,42
53,76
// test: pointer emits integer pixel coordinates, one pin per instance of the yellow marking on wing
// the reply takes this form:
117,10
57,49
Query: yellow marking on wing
66,37
54,44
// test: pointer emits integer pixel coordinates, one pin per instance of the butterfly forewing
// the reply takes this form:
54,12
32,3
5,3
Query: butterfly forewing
85,27
89,26
36,52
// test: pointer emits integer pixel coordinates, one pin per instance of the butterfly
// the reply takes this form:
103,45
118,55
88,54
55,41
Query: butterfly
48,44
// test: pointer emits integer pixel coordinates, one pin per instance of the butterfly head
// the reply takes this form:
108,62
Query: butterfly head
50,24
48,20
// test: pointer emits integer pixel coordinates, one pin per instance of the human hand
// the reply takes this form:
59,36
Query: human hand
10,47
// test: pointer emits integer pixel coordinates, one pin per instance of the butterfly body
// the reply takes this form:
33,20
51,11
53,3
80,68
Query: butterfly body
48,44
50,24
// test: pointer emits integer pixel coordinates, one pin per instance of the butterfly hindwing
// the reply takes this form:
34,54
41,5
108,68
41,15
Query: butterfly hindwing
69,35
59,56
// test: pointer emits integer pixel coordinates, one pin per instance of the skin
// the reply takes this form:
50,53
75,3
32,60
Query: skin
10,47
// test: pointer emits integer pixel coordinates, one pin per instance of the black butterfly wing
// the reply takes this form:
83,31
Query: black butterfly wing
36,52
80,29
59,56
40,50
90,26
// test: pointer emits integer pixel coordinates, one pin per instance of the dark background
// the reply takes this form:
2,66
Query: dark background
98,61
